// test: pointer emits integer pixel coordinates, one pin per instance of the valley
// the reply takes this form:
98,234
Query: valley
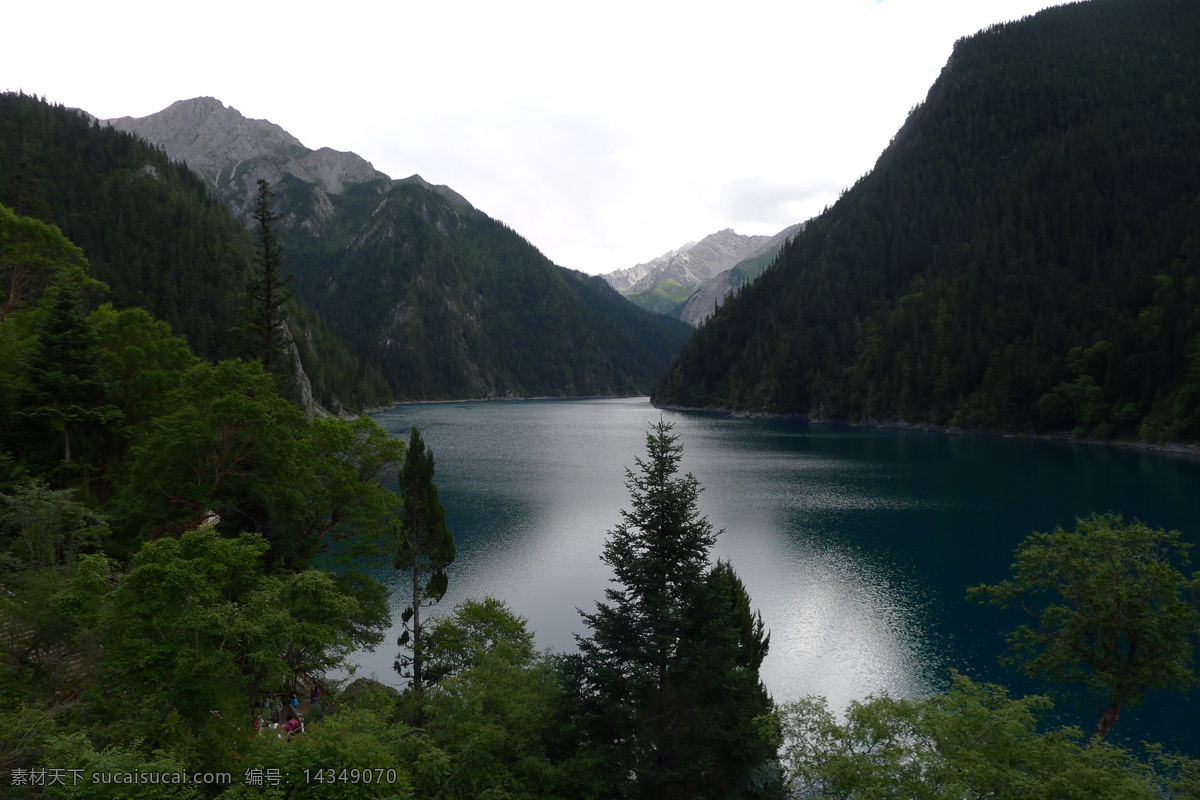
276,423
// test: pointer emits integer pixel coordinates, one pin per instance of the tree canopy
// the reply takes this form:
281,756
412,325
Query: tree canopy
1111,611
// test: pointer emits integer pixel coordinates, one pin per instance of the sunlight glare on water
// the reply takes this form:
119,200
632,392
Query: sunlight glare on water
532,488
857,546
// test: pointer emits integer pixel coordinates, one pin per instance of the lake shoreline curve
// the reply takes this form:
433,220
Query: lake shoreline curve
1178,448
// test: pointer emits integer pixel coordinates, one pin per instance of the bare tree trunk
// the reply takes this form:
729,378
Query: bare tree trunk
417,677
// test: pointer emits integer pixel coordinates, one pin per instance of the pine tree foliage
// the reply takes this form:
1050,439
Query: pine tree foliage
266,289
426,548
67,393
674,650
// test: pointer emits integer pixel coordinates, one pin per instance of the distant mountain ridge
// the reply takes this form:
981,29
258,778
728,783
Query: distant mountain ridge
444,300
623,280
705,300
231,152
669,283
689,265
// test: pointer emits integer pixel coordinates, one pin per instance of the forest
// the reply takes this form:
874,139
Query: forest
1024,257
181,549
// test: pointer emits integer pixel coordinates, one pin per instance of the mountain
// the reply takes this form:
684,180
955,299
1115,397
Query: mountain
1024,255
623,280
666,283
705,299
231,152
444,300
155,235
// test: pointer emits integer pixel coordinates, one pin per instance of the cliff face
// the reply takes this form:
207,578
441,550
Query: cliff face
623,280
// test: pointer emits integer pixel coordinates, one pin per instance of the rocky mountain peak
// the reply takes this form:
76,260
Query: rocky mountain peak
209,136
689,265
232,151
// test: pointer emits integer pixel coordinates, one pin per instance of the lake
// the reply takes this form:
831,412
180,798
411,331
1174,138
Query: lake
856,545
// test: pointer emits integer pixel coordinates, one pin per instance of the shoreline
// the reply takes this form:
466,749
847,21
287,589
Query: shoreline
1175,448
505,399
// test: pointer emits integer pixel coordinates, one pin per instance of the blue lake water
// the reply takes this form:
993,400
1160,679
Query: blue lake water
857,546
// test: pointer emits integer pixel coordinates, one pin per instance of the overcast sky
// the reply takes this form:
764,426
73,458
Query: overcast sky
605,133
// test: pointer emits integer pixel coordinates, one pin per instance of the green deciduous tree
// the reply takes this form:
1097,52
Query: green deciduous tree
196,627
231,447
347,509
33,255
1111,610
973,741
141,360
674,651
359,730
498,709
50,526
426,548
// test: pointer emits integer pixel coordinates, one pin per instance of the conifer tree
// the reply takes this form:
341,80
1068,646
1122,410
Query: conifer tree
426,548
66,391
671,633
267,288
26,190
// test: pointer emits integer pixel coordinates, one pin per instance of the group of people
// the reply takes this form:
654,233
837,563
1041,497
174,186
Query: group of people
272,708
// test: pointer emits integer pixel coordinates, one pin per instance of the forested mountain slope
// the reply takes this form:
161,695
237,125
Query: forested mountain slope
450,303
154,234
1024,256
444,300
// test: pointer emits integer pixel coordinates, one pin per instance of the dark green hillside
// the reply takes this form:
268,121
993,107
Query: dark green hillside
152,232
148,227
1024,256
451,303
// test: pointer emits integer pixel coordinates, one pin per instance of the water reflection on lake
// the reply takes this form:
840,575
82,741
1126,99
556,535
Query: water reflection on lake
856,545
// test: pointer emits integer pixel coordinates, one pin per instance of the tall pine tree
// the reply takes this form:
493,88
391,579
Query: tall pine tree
267,288
426,548
674,651
66,393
